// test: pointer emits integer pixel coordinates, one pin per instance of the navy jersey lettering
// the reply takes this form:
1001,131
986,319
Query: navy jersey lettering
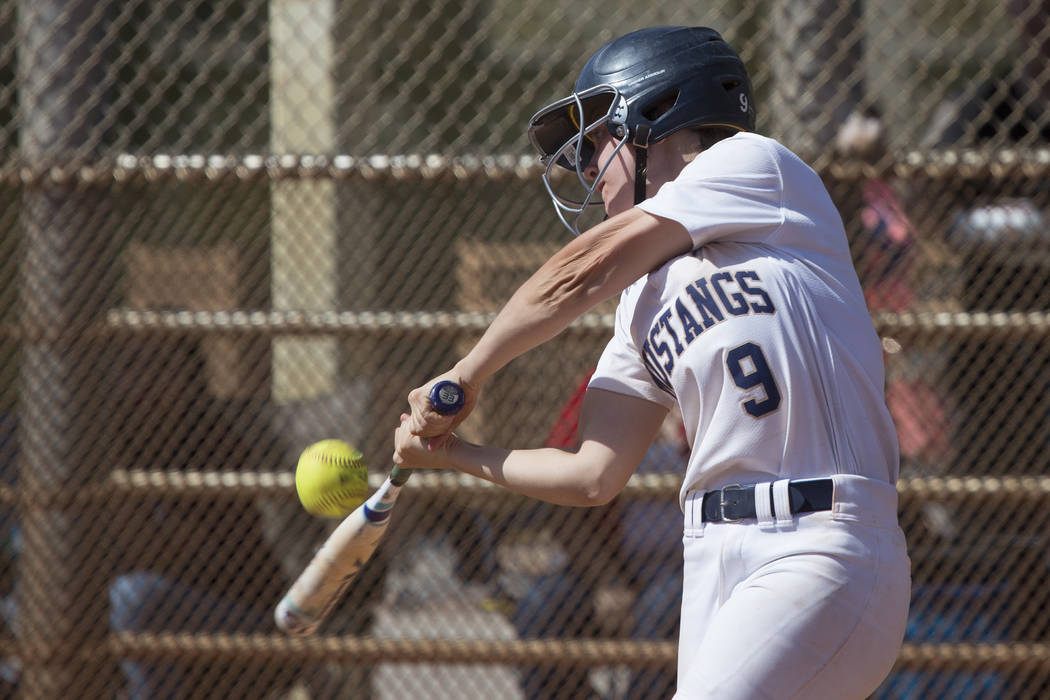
765,306
690,328
661,349
677,326
656,371
734,303
705,303
665,322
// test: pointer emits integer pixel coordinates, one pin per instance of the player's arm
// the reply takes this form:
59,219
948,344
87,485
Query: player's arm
595,266
615,431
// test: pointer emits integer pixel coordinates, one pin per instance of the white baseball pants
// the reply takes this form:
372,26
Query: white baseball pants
805,606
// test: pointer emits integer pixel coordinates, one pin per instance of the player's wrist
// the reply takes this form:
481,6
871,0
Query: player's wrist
429,454
470,374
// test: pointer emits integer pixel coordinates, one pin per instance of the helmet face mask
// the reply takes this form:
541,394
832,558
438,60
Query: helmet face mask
642,87
567,140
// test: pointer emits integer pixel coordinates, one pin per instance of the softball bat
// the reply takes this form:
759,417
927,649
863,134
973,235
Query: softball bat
342,555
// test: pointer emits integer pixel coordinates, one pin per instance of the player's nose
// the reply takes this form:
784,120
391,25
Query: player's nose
591,170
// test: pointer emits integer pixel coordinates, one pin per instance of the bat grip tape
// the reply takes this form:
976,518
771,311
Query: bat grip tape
399,476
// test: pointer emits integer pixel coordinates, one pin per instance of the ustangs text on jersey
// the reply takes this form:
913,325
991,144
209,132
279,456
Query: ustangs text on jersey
704,303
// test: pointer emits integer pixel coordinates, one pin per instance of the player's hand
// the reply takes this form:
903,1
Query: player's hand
414,452
425,422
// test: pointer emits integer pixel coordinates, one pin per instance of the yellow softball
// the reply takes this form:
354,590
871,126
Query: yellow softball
331,478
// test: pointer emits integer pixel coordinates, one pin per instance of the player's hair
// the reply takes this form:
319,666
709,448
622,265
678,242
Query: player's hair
706,136
710,135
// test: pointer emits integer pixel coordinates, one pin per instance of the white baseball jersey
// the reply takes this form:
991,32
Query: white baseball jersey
761,335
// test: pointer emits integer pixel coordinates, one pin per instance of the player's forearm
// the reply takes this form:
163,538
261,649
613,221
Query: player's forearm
530,318
548,474
565,288
594,267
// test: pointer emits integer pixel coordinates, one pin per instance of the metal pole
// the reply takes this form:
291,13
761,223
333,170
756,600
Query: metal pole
816,65
61,594
304,263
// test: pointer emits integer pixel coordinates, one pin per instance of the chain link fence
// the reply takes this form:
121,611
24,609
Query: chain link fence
233,227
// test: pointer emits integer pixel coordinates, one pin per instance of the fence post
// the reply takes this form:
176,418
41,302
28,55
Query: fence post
61,588
302,214
817,66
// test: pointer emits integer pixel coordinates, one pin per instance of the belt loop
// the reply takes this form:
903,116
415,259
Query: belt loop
764,505
782,503
694,514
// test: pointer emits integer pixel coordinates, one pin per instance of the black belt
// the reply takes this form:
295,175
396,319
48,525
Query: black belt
738,502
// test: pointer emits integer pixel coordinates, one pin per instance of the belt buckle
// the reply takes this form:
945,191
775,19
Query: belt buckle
722,503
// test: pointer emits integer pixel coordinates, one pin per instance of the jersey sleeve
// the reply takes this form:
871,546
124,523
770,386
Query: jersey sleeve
732,191
621,370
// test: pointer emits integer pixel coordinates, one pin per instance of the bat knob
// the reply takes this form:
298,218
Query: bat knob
447,397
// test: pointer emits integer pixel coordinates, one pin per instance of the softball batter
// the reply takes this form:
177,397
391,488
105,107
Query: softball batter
741,306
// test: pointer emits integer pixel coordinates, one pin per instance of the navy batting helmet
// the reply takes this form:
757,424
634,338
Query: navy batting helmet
642,87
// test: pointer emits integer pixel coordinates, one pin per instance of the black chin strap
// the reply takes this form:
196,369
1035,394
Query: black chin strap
641,157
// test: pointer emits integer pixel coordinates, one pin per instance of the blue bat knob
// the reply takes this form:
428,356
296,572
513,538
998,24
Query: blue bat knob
447,397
